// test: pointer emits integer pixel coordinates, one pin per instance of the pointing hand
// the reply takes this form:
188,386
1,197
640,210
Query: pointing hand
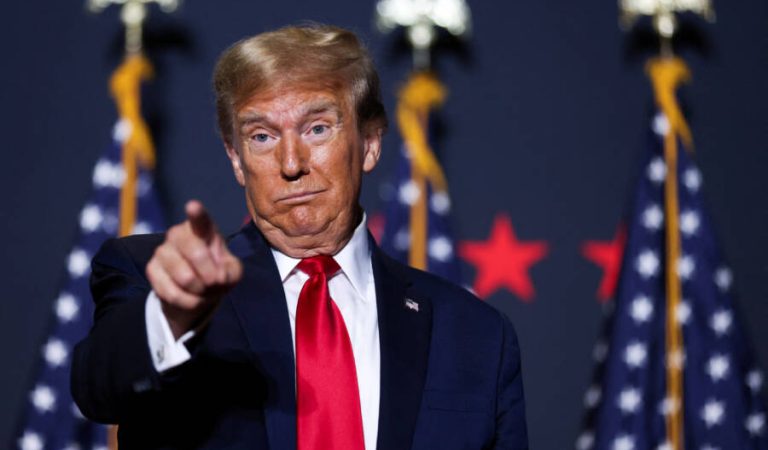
192,270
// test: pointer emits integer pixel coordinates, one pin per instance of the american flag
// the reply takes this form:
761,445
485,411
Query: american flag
412,186
396,240
50,419
628,403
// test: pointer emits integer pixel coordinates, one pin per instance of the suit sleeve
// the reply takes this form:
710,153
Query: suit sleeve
112,369
511,430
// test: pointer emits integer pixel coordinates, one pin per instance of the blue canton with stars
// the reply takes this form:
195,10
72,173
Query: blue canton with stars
627,403
396,240
50,420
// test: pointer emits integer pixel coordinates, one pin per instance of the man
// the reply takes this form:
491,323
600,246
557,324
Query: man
296,332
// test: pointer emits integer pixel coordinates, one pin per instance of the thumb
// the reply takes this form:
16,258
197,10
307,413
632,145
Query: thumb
233,268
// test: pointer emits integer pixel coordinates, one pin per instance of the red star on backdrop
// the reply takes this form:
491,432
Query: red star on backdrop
503,261
607,255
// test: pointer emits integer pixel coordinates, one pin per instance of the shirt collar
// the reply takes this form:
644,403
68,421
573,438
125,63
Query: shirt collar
354,260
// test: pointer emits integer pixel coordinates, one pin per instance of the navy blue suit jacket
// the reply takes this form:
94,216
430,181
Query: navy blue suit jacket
450,372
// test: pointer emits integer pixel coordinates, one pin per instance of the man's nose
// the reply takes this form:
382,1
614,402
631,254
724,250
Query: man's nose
294,158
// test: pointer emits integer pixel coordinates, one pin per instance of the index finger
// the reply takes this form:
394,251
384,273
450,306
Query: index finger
200,221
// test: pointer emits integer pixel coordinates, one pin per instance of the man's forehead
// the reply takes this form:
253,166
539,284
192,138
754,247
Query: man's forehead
298,100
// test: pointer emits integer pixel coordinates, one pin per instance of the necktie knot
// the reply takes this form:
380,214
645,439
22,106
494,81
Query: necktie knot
321,264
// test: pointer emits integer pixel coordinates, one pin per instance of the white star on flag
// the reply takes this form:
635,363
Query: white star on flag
754,380
635,355
624,442
689,223
592,396
629,400
78,263
31,441
685,267
409,192
660,125
402,239
440,203
683,312
90,218
755,423
647,264
66,307
717,367
721,322
141,228
657,170
585,441
110,223
55,352
106,174
43,398
122,130
723,278
664,446
653,217
713,413
641,309
692,179
440,248
144,185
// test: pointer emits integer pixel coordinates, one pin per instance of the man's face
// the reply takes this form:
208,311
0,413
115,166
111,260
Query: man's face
300,155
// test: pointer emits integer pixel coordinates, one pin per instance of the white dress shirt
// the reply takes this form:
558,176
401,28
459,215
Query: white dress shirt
354,292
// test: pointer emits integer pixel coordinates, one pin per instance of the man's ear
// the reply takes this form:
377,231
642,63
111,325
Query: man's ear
237,163
372,135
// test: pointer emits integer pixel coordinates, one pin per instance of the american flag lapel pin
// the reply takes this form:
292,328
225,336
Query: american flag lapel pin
411,304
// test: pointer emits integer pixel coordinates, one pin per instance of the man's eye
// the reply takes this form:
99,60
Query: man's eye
319,129
261,137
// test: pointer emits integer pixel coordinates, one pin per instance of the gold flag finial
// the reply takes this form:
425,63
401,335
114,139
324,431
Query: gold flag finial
663,14
420,18
133,14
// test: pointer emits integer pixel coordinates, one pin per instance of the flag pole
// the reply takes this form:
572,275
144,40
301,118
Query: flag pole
421,94
672,347
125,86
667,72
52,420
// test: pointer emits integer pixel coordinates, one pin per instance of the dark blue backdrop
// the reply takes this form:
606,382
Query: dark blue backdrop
545,122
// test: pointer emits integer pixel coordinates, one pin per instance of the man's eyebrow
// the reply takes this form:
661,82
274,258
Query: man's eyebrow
322,107
249,118
310,109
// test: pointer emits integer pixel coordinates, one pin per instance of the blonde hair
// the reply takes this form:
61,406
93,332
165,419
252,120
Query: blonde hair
293,55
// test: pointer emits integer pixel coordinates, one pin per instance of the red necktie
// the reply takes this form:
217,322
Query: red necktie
328,410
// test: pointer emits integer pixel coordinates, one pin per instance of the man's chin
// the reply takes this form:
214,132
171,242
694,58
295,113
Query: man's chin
299,231
299,226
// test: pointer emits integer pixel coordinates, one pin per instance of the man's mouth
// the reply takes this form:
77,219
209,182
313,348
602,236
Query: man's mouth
299,197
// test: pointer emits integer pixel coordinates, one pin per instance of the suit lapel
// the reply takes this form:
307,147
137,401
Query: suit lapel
259,302
405,323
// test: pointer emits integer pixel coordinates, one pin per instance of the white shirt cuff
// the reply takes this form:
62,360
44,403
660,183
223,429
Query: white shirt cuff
166,351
